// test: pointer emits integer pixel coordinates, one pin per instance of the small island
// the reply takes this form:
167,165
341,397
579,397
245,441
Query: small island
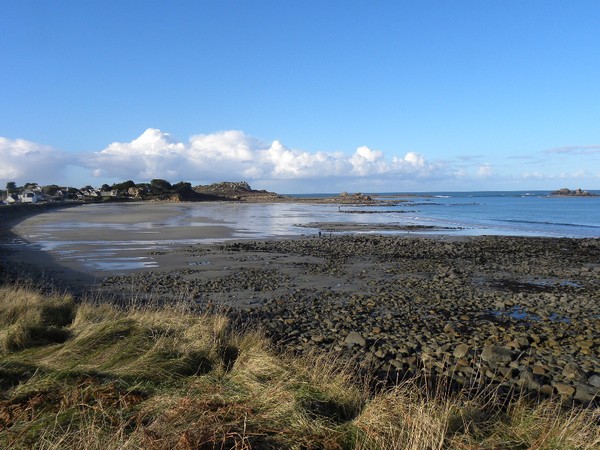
564,192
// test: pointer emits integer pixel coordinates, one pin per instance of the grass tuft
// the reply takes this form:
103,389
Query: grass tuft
30,319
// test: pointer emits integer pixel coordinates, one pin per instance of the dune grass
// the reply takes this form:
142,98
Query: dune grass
101,377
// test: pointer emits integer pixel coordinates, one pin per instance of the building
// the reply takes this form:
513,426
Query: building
29,196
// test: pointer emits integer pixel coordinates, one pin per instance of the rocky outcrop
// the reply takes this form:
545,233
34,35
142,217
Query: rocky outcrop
344,197
564,192
236,190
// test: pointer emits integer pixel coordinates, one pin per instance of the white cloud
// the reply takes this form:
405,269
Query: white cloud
234,155
414,159
279,161
152,155
485,171
24,161
368,162
226,145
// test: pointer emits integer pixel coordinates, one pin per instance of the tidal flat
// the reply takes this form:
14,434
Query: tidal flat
520,312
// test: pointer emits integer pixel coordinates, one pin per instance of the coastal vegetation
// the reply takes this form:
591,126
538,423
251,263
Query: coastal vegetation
155,190
95,374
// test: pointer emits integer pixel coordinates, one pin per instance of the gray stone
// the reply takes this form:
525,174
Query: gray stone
354,337
594,380
585,393
495,354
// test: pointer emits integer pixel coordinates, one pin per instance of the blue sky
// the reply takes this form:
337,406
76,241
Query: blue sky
302,96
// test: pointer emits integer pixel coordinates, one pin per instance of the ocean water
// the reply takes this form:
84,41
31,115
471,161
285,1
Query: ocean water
532,213
519,213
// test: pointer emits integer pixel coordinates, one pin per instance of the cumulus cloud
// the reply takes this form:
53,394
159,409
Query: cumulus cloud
235,155
25,161
152,154
485,171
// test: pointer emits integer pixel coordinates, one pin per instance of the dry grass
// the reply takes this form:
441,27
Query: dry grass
154,378
28,319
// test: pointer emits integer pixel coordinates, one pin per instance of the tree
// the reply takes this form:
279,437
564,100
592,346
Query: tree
182,186
51,189
160,185
124,186
11,186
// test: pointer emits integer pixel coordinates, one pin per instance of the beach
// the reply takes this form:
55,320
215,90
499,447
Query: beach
521,312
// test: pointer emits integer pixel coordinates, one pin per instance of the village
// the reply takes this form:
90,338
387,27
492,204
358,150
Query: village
34,193
156,189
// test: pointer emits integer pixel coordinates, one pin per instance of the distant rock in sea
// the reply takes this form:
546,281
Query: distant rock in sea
564,192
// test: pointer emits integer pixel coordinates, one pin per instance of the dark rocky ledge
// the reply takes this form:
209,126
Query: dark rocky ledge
564,192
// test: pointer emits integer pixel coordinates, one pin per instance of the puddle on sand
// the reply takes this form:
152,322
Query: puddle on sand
519,313
115,264
554,283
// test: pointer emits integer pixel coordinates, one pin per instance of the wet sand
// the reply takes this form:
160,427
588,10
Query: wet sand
77,247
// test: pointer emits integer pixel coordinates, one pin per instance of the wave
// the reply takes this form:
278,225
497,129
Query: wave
542,222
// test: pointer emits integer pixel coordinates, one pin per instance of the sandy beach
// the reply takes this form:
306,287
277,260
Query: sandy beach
520,312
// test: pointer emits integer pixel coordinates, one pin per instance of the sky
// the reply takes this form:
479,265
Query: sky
302,96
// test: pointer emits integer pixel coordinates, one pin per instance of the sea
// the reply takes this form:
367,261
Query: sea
513,213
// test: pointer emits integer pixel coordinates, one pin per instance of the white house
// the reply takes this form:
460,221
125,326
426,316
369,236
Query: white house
29,196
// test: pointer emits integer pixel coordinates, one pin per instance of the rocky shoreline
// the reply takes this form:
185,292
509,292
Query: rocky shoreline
519,313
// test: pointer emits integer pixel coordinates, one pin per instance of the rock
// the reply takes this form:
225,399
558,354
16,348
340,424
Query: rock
573,372
585,344
317,338
585,393
564,389
546,390
355,338
495,354
594,380
461,351
527,380
449,329
519,343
